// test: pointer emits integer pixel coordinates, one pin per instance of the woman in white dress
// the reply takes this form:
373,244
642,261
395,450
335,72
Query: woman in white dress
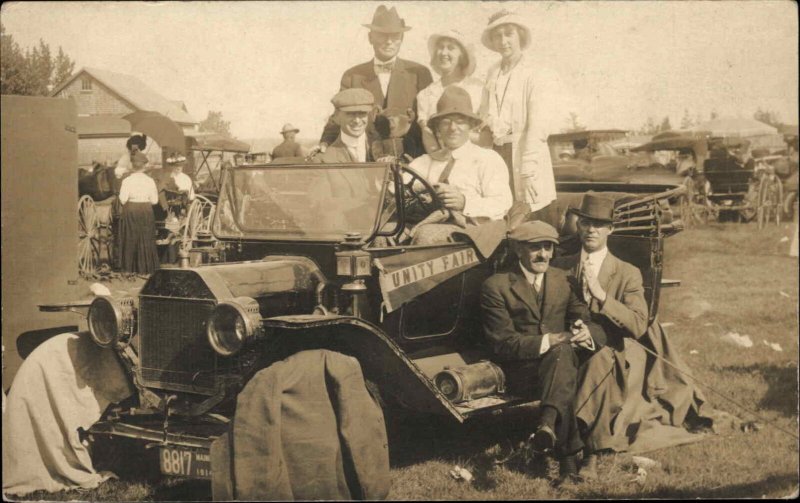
453,59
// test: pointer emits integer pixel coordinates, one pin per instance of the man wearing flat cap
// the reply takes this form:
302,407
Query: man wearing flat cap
393,82
540,333
349,188
614,291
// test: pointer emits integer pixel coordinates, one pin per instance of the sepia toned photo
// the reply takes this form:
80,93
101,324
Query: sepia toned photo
410,250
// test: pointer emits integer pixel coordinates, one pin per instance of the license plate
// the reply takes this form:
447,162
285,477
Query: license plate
181,462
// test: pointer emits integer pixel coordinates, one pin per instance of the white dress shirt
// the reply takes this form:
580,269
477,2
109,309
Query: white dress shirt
138,188
184,184
356,145
383,76
591,264
123,165
480,174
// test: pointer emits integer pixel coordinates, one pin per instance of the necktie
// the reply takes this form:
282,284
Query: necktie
585,271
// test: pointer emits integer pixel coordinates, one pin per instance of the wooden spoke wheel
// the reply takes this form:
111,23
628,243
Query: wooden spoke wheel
770,200
198,220
88,251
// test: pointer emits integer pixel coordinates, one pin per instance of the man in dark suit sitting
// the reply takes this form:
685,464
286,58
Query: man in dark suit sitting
393,82
540,334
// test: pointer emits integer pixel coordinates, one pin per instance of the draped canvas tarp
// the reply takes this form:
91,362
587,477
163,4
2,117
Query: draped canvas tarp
64,384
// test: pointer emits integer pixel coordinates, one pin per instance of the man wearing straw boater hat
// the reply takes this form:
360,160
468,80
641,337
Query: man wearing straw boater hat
521,105
614,291
393,82
289,147
540,333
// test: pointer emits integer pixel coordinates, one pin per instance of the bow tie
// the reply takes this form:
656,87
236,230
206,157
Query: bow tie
384,67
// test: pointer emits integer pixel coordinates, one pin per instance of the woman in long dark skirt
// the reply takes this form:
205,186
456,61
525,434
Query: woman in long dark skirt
137,227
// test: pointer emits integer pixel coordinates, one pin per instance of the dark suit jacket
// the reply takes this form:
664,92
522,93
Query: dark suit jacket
624,313
514,322
407,79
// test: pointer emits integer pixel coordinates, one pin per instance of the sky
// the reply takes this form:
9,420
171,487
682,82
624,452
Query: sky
264,64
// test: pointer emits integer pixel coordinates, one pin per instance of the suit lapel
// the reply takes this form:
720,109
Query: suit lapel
524,291
372,84
398,83
551,289
607,270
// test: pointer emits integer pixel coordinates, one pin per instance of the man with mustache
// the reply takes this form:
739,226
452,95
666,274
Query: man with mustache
541,333
614,291
393,82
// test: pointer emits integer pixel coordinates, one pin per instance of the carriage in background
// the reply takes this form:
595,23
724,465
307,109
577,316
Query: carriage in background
718,182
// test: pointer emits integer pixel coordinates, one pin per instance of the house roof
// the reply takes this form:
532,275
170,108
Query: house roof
135,92
103,126
736,126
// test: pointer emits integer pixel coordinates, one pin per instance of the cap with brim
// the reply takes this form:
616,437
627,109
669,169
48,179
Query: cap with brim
467,49
454,100
289,128
387,21
501,18
534,232
596,207
354,100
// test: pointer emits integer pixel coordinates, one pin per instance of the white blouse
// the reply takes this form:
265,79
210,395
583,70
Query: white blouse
138,188
429,97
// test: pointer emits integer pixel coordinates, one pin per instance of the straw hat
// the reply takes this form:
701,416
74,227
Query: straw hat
467,50
506,17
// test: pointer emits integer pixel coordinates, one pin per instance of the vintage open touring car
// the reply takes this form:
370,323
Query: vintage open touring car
308,269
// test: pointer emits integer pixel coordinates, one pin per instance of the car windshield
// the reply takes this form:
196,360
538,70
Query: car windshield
309,202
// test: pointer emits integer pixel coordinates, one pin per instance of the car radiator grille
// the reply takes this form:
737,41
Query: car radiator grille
174,352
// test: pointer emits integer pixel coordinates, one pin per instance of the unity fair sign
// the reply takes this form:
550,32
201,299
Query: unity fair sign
405,276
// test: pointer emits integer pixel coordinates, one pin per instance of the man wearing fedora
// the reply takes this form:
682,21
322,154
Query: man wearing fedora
393,82
468,179
522,105
540,333
289,147
614,291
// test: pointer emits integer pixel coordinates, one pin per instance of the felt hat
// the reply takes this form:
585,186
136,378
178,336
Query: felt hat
287,128
454,100
467,50
387,21
534,231
596,207
505,17
354,99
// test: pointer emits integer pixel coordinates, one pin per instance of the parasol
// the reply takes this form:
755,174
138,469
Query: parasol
160,128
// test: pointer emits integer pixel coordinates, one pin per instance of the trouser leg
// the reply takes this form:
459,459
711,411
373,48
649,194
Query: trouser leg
558,378
547,214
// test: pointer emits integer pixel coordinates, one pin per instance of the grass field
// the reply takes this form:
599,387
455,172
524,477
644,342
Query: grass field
735,278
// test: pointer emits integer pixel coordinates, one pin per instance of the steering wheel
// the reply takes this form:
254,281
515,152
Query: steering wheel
426,199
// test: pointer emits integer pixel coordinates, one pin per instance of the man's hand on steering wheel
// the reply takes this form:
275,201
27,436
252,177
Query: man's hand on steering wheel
451,197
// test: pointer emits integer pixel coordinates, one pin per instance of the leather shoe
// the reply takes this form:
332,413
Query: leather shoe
543,440
568,471
588,469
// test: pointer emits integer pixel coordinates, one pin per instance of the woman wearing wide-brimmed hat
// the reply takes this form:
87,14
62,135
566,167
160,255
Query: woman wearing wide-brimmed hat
522,104
453,58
